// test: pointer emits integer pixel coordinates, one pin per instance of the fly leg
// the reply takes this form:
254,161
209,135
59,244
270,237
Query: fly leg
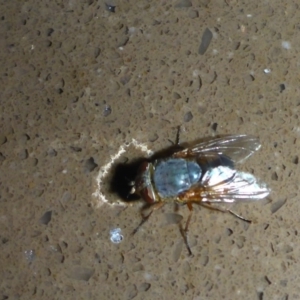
155,206
184,231
209,206
239,216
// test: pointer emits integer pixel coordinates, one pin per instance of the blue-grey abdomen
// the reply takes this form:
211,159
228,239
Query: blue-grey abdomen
174,176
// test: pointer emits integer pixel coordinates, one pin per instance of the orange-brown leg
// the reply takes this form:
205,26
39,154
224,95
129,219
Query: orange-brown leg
210,206
194,196
185,230
239,216
154,206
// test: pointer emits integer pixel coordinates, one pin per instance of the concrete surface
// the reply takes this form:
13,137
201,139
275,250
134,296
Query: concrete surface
83,88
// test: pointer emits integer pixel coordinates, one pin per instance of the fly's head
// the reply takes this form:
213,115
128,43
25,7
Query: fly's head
142,185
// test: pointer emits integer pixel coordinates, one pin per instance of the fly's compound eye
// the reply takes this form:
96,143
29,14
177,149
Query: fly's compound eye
148,195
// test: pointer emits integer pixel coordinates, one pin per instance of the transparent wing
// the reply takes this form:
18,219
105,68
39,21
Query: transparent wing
236,147
223,184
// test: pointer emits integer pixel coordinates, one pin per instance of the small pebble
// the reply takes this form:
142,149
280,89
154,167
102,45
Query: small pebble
29,255
106,111
110,8
183,3
205,41
188,117
115,235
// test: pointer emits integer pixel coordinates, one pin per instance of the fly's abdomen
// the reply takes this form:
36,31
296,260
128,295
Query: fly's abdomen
175,175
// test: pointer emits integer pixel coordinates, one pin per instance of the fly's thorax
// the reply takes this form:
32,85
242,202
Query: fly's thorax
173,176
143,183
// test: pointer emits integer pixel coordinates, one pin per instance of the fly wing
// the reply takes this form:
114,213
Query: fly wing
223,184
236,147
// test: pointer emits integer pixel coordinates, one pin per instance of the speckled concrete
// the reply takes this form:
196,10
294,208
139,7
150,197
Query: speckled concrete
82,86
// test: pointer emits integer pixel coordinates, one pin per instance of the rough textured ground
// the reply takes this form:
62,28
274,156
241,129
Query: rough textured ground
80,83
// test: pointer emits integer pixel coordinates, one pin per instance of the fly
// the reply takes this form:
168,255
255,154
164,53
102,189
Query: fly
204,174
